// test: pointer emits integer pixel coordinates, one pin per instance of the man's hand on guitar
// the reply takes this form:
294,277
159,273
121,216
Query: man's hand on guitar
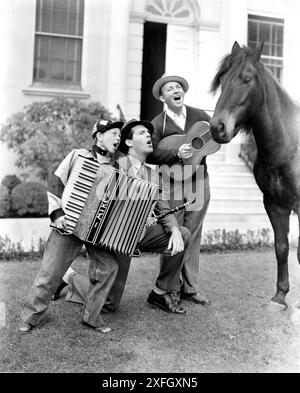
185,151
176,243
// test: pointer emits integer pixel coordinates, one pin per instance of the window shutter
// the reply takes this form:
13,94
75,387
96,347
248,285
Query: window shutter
58,41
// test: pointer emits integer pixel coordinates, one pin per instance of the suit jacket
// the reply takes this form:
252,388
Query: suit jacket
160,156
152,175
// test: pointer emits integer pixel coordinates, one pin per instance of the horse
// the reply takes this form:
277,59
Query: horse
252,100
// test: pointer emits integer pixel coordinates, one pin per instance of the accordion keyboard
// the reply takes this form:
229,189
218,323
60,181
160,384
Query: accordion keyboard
78,188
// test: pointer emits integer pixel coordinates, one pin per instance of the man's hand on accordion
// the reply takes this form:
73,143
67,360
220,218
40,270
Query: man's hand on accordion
151,221
61,223
176,243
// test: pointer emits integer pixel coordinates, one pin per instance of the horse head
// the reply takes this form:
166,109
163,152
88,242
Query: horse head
241,93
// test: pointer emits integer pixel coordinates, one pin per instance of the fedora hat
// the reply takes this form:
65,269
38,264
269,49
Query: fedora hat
105,125
123,148
156,90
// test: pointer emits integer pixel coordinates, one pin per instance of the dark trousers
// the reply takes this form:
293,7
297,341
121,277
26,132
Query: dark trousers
155,240
192,218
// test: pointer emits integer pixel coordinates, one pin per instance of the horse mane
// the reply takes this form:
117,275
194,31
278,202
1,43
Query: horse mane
228,62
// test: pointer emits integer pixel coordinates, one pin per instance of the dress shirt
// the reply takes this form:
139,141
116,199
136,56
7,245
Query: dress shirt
178,119
137,166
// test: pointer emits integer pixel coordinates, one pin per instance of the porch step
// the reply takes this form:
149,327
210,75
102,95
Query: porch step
225,218
238,191
219,156
227,167
235,204
231,179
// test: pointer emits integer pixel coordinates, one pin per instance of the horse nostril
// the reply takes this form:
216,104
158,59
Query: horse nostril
221,129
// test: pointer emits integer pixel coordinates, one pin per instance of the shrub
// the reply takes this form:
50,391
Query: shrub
4,201
30,199
11,250
10,181
220,240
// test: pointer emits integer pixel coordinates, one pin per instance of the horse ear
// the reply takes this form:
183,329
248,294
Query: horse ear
258,51
235,47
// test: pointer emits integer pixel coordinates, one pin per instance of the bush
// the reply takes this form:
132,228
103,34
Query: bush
4,201
30,199
10,181
221,240
11,250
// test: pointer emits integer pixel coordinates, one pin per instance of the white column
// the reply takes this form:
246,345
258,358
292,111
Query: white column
118,55
17,28
134,70
207,61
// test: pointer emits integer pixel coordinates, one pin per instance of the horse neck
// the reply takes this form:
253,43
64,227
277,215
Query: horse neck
274,125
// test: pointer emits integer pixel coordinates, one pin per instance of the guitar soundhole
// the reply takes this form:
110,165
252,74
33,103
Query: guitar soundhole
197,143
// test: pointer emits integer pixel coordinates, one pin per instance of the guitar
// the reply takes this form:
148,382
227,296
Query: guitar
200,138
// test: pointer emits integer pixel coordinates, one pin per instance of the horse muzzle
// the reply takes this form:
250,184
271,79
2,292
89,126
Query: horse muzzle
218,131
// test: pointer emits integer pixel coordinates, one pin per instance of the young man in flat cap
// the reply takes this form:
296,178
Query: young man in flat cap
61,249
165,236
178,119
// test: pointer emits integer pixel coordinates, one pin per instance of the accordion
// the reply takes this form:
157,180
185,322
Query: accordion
105,207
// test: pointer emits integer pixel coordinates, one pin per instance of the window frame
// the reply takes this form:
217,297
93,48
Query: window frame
51,83
278,61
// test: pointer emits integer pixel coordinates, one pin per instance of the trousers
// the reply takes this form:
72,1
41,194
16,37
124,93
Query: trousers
59,254
192,218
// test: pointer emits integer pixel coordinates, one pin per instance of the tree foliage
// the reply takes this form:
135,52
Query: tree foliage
45,132
10,181
29,199
4,201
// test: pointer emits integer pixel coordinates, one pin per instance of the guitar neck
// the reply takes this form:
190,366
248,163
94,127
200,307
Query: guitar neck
206,136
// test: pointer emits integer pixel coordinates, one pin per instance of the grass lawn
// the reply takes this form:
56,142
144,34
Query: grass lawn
236,333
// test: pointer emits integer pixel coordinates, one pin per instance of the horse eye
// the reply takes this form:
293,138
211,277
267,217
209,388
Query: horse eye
246,81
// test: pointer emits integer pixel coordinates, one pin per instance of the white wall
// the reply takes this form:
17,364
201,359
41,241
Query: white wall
17,46
112,52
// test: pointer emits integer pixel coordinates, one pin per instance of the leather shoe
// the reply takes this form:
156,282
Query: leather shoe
100,329
165,302
61,286
24,327
175,295
197,298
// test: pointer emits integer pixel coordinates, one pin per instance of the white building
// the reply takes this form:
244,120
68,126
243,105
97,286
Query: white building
112,51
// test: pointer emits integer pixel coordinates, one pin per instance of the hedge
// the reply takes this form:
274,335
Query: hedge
29,199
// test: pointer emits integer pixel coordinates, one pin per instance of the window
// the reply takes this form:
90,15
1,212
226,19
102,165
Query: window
180,11
271,30
58,42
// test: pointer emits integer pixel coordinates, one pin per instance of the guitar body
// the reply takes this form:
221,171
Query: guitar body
202,143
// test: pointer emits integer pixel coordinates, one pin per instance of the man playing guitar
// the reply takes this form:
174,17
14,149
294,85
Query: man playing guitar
177,119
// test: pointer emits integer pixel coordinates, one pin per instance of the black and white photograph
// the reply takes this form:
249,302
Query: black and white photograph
149,189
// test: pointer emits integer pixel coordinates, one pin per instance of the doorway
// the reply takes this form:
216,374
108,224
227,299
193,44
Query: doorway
154,61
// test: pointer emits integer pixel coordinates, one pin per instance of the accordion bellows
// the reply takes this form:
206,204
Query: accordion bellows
105,207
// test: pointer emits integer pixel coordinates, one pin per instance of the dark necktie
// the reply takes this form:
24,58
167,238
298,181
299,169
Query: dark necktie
142,172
